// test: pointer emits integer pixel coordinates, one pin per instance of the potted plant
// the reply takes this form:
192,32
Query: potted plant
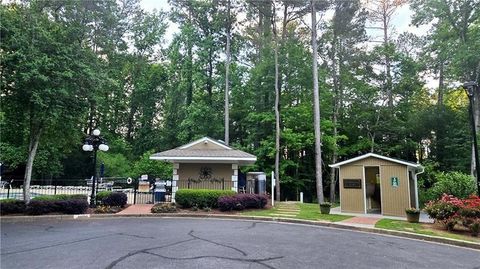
325,207
413,214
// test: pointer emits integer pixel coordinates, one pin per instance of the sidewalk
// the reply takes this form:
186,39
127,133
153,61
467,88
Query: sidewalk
139,209
423,217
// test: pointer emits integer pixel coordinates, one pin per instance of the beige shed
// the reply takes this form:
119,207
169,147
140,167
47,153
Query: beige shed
205,163
373,183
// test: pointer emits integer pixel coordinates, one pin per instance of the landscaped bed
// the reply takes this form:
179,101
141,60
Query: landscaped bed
431,229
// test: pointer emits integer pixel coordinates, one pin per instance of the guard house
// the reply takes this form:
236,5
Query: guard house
372,183
205,163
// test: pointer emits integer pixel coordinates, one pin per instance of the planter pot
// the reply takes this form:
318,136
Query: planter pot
413,217
325,209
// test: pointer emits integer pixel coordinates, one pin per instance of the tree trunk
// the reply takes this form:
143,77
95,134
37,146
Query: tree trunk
387,62
335,71
277,112
227,71
316,106
32,151
440,86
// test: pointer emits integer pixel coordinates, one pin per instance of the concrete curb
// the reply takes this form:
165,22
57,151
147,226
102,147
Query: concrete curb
448,241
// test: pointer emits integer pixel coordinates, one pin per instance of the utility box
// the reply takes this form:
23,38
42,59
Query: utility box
256,182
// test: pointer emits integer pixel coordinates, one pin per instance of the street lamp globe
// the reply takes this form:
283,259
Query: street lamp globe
87,147
96,132
103,147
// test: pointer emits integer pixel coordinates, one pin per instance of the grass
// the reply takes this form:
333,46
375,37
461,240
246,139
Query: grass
307,212
418,228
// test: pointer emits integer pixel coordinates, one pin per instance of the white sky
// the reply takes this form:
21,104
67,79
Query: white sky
401,22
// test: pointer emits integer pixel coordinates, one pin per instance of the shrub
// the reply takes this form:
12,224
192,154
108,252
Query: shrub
70,204
242,201
58,197
200,197
444,209
164,208
102,195
454,183
11,206
451,211
115,199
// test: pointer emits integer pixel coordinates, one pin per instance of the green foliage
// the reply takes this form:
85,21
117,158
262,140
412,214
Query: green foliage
199,198
58,197
455,183
153,168
102,195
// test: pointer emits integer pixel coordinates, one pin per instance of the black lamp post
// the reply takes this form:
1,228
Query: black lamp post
470,88
93,143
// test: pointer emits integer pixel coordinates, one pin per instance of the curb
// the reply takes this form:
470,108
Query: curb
427,238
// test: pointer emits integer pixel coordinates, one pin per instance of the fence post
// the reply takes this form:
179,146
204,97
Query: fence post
223,183
135,187
8,190
55,187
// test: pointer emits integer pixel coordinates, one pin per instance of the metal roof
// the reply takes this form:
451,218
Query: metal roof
368,155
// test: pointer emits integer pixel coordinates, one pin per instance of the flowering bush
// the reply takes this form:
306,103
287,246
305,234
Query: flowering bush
242,201
451,211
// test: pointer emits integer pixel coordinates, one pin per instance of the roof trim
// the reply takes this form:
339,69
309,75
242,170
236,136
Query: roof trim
337,165
203,158
203,139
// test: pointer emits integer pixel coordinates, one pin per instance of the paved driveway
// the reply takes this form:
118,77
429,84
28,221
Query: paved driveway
213,243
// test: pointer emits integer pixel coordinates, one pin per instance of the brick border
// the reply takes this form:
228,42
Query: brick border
427,238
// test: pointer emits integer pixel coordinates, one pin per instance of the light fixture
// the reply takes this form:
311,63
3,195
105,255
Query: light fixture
96,132
103,147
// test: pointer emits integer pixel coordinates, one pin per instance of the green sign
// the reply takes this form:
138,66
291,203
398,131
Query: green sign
395,181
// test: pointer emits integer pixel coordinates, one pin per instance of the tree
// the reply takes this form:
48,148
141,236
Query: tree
316,108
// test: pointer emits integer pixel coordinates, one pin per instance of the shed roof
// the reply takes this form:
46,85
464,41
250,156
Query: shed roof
213,151
373,155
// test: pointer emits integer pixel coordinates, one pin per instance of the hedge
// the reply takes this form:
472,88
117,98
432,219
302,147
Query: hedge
68,206
115,199
12,206
200,198
59,197
242,201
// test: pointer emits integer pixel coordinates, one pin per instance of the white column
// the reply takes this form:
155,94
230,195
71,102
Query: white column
235,177
175,178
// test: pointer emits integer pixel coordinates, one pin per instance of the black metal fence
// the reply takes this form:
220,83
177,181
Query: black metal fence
14,189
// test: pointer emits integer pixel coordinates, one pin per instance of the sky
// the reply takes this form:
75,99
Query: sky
401,21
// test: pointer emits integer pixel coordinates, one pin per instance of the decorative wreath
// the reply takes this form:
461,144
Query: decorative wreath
129,180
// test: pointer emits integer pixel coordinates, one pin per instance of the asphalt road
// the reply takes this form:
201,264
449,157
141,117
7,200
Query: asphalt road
213,243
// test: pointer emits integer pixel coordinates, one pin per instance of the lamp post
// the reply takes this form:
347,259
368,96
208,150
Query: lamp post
94,142
470,88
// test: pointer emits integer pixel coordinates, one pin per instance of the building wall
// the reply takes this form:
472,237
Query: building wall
351,200
208,145
394,199
192,170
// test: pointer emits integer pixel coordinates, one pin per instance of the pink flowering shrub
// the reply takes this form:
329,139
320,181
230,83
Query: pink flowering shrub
450,211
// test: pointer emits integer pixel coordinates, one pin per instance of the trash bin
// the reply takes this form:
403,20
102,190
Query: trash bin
160,191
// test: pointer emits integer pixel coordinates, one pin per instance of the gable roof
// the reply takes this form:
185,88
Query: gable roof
220,153
205,139
368,155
